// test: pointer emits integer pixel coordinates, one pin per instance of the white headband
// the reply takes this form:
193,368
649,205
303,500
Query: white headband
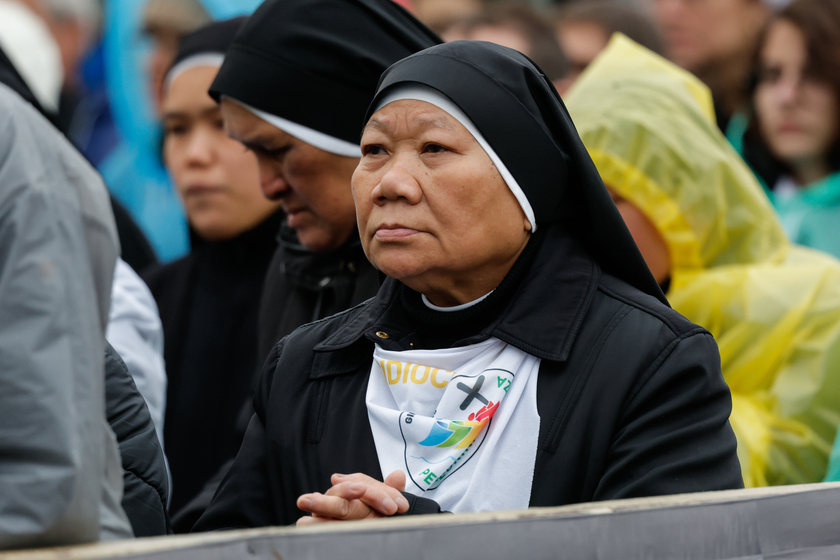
204,59
320,140
424,93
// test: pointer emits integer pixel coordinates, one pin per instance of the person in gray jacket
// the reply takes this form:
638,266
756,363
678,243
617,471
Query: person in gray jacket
60,474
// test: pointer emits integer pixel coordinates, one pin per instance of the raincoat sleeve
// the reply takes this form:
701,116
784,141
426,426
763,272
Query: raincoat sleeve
60,481
46,493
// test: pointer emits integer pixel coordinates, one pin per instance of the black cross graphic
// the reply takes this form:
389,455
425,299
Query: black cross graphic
472,392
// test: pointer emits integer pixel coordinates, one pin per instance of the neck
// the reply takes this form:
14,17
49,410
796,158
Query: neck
809,171
447,291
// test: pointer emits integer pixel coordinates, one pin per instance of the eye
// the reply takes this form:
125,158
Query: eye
434,149
269,153
175,129
769,74
373,150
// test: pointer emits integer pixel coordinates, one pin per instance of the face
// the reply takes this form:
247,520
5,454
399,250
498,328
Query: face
700,33
312,186
217,179
581,42
433,210
650,242
797,114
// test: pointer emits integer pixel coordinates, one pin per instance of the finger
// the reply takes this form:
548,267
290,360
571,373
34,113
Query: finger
333,507
385,499
347,490
311,520
396,480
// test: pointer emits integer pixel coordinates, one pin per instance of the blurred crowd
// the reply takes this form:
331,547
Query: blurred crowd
714,125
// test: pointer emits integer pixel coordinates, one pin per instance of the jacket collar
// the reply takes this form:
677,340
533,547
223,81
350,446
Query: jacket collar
561,273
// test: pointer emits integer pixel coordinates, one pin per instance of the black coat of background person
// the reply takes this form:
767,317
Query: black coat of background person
146,483
209,303
630,394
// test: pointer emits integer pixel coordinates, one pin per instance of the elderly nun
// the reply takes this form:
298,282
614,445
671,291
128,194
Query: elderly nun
519,353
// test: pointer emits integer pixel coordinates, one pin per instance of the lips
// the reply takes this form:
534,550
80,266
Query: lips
199,190
394,232
295,216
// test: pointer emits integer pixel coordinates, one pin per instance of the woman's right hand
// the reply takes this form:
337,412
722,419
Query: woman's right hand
353,497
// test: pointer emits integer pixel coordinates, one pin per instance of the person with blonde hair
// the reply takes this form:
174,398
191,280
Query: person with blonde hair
713,241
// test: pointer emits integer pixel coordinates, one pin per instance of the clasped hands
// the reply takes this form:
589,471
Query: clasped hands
355,496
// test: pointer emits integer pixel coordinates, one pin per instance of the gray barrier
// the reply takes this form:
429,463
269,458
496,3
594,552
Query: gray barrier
794,522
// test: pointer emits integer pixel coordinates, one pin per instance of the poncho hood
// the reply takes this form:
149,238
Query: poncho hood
650,129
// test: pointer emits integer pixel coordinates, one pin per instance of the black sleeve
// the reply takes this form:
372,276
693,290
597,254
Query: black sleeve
674,434
145,478
243,497
419,506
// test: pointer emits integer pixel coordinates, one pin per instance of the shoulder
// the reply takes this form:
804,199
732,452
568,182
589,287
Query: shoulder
161,278
628,337
650,313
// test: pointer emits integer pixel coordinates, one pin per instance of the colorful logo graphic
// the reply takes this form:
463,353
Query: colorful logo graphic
437,447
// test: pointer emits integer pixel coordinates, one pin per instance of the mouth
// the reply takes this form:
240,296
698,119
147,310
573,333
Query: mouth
790,128
199,189
394,232
294,216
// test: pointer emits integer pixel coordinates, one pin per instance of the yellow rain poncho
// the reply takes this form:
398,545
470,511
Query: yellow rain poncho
773,308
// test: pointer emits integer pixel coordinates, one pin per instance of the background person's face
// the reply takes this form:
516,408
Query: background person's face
433,210
699,33
797,114
648,239
311,185
217,179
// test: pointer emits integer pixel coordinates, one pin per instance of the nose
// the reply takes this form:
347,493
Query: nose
398,182
787,90
200,151
272,180
668,11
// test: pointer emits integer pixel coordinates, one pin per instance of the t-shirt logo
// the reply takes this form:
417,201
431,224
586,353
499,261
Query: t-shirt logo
435,448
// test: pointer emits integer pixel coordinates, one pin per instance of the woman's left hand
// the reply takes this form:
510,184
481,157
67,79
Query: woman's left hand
355,496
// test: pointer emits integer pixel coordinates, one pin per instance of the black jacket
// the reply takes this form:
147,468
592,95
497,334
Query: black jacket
209,303
630,394
145,480
302,286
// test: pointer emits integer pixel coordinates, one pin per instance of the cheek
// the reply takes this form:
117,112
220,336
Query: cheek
825,112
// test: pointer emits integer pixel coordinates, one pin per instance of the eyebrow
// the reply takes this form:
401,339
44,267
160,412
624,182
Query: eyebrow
185,115
423,122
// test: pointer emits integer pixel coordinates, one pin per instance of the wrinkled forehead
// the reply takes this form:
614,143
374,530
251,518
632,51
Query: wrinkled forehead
412,115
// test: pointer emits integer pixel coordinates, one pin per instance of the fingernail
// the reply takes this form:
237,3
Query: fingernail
339,475
307,503
402,502
357,487
388,503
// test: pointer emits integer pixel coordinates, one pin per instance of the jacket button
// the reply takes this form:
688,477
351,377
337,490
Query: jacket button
381,334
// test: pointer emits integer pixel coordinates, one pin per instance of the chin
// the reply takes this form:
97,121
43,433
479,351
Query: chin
317,240
399,267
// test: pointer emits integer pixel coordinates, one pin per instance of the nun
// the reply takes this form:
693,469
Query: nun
294,88
519,353
209,299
